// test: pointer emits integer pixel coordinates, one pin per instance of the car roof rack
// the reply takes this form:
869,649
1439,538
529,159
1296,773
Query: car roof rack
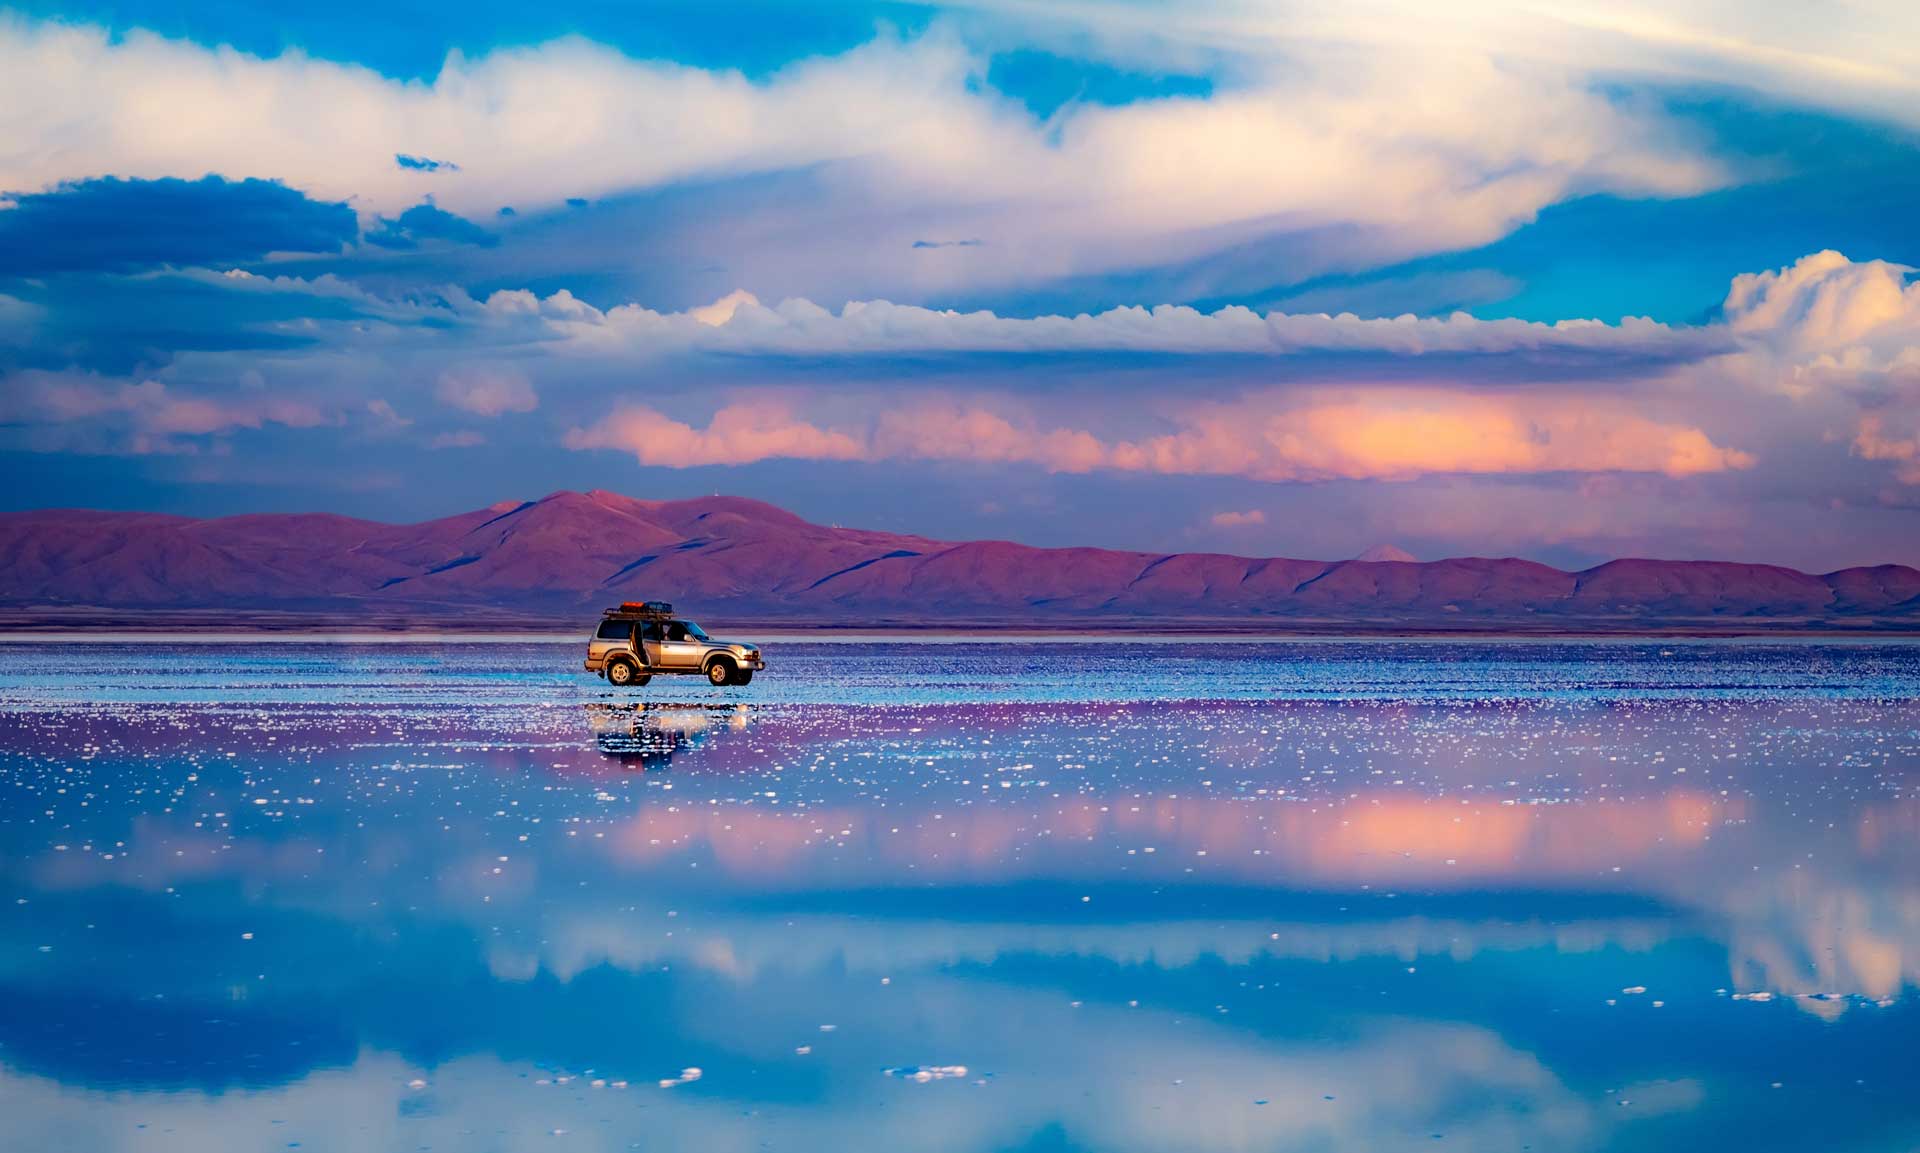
642,610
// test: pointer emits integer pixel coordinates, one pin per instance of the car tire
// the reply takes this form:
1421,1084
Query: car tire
622,673
743,677
720,672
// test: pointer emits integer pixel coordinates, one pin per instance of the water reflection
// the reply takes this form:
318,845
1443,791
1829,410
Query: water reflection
646,734
1139,925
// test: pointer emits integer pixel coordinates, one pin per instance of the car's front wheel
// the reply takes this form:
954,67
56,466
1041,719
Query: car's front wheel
720,673
743,677
621,673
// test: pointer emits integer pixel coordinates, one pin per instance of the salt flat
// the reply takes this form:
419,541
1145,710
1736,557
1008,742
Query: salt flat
1002,895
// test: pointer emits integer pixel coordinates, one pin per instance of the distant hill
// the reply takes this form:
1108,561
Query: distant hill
558,560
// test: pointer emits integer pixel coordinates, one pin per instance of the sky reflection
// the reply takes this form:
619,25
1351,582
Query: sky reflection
1595,920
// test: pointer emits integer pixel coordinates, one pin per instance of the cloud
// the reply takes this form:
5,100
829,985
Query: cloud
424,222
737,434
1842,338
740,323
111,224
1250,517
936,430
423,164
150,417
1873,442
383,411
1381,434
1402,148
19,320
1390,434
486,390
721,311
460,438
1826,302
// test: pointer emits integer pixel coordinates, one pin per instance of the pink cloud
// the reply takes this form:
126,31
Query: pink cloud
941,431
485,390
1872,441
155,414
1252,516
1402,434
737,434
1384,434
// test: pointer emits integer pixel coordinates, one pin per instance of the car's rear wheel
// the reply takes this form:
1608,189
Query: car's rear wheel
720,672
621,673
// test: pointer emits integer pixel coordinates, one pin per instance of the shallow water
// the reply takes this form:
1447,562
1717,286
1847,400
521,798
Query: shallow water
962,896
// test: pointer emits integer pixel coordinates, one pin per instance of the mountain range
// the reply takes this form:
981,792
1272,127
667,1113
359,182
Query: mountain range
558,560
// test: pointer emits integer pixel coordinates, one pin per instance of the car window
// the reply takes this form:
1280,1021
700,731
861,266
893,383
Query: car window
676,631
615,630
650,631
695,631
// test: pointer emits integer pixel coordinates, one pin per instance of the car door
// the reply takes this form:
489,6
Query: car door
650,637
678,649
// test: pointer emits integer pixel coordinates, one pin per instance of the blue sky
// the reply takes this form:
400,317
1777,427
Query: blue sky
1103,272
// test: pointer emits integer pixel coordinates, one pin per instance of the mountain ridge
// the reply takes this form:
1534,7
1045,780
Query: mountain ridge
562,557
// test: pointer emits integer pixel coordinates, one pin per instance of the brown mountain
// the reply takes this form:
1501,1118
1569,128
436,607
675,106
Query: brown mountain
559,559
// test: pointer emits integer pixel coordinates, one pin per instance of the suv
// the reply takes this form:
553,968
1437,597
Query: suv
640,640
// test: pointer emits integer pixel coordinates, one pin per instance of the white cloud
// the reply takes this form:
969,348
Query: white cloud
741,324
1826,303
1843,338
1401,147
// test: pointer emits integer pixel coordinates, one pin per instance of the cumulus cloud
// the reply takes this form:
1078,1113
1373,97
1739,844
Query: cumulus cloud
740,323
486,390
1842,337
1825,302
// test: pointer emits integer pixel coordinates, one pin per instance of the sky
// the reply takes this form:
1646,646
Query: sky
1559,280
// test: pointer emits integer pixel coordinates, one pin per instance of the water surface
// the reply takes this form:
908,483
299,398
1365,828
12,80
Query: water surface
962,896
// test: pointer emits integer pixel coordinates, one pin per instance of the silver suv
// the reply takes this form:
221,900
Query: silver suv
641,640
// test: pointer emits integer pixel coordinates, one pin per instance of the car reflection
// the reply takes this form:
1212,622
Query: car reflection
649,734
